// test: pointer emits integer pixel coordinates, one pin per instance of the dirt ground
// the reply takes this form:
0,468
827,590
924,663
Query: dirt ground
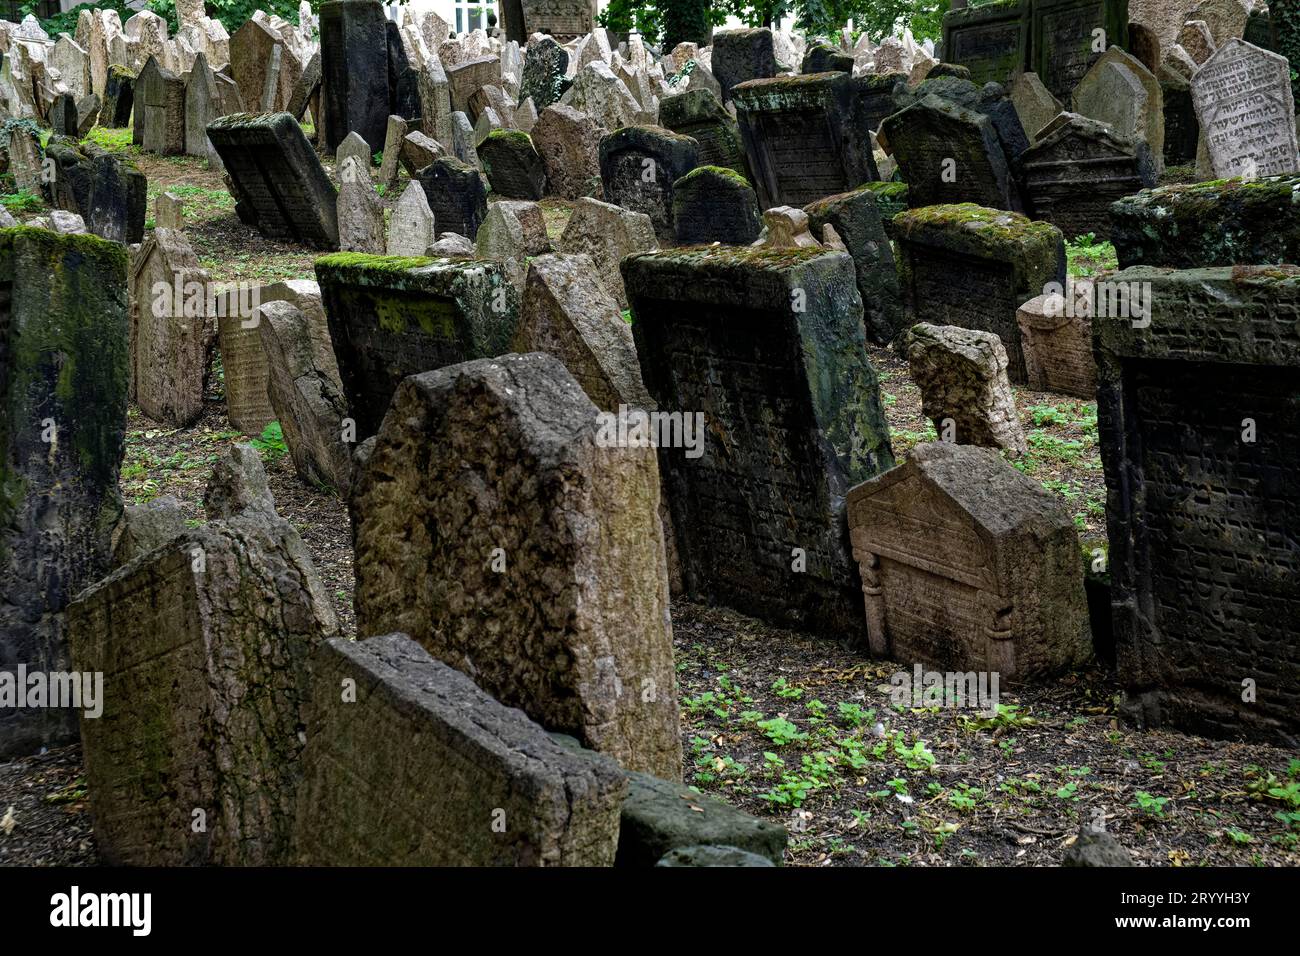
783,724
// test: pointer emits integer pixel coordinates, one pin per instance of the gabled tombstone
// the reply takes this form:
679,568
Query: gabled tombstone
1120,91
638,167
252,48
160,110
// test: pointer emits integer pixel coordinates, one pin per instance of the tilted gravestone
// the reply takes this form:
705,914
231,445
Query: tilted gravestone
1077,169
393,317
826,59
524,593
205,643
466,79
456,195
119,96
160,110
104,188
1119,91
1244,104
545,66
1182,129
740,55
1200,441
253,52
607,233
713,204
1218,223
968,565
569,144
639,166
1057,342
856,218
768,347
803,138
701,116
355,92
950,154
874,98
413,228
478,760
63,391
278,183
513,167
969,266
1067,36
991,40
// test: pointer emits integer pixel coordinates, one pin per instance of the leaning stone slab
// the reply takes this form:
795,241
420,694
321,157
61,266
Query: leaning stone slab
278,183
63,396
762,328
969,566
701,116
512,165
552,591
390,317
106,190
990,40
204,644
485,787
607,233
456,195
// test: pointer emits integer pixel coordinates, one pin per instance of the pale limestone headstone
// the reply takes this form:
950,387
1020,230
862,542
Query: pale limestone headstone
411,231
1243,101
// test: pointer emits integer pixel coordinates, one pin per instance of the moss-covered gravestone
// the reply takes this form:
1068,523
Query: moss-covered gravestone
277,182
701,116
874,97
991,40
1064,40
391,316
543,79
823,58
63,385
501,523
804,137
638,167
456,196
1217,223
512,165
105,189
1200,442
713,204
1078,168
970,266
761,352
891,199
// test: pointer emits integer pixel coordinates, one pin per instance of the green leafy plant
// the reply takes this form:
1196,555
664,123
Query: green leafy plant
1151,806
271,443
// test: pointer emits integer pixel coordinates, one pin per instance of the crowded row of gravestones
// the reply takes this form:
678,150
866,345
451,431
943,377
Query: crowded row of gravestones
530,476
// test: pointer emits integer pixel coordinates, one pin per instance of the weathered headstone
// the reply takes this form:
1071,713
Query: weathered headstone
360,210
569,144
512,165
1246,111
701,116
968,565
726,335
546,66
991,40
63,385
104,188
1120,91
1034,105
478,759
412,228
390,318
119,96
1182,130
639,166
456,195
355,92
418,151
245,370
160,110
1067,36
740,55
1057,343
607,233
713,204
466,79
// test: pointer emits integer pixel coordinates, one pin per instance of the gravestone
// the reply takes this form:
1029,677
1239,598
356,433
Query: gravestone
856,219
63,384
394,136
713,204
456,195
1243,102
207,641
546,66
569,144
802,138
478,760
1120,91
355,92
435,101
530,607
638,167
171,336
119,96
277,182
63,115
825,59
968,565
785,227
607,233
768,347
1067,36
701,116
740,55
418,151
105,189
466,79
246,372
874,98
962,377
360,211
1200,437
1034,105
972,267
1182,130
160,110
1079,167
512,165
355,148
412,228
1218,223
604,97
1057,343
565,19
252,49
950,154
991,41
990,100
390,318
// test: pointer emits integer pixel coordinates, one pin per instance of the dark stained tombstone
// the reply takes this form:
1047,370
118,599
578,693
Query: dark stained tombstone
355,92
1217,223
119,95
403,79
874,98
856,218
767,346
949,154
104,188
393,317
992,40
638,167
1262,31
740,55
63,115
969,565
972,267
1200,442
803,138
713,204
512,166
1182,129
1064,42
826,59
63,393
545,63
701,116
160,110
278,183
990,100
456,196
1074,173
